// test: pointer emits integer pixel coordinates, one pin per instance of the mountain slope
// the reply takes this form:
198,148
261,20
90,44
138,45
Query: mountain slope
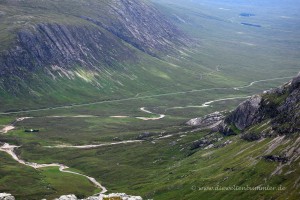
94,48
54,46
278,108
137,22
261,152
70,38
100,103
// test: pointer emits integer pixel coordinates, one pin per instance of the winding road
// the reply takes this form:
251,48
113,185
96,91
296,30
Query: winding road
10,149
143,109
143,97
206,104
161,116
11,126
7,128
94,145
265,80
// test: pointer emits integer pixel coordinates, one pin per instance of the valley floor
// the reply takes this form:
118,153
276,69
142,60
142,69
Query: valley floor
173,153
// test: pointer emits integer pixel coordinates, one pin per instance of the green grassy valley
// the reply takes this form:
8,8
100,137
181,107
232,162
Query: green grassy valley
110,85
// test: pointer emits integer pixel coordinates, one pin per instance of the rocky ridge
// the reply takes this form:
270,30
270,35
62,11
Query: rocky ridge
273,115
278,108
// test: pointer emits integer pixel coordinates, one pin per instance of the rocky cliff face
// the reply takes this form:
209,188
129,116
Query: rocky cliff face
288,110
92,34
280,108
246,113
50,45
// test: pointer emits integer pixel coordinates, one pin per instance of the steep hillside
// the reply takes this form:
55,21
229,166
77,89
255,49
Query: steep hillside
46,41
55,47
141,25
59,32
136,22
261,148
277,112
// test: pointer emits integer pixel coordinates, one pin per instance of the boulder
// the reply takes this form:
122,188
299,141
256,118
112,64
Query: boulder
206,121
67,197
6,196
123,196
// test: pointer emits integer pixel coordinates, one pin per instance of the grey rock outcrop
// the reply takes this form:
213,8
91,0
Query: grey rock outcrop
288,118
280,107
224,128
206,121
123,196
6,196
67,197
247,113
